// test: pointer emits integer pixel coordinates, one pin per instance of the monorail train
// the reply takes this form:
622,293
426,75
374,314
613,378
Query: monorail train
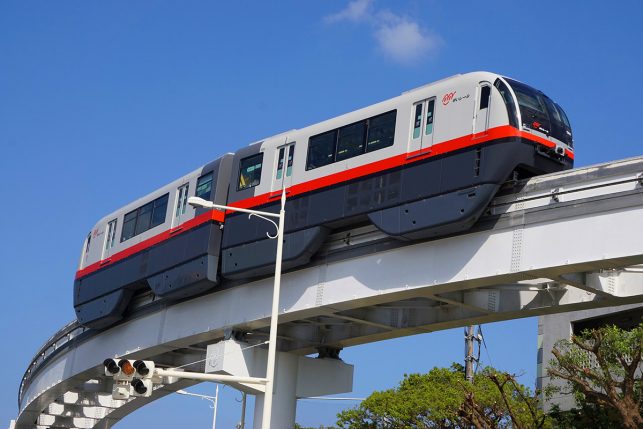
421,165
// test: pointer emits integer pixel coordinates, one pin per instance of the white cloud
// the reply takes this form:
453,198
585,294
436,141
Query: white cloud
399,38
357,10
405,41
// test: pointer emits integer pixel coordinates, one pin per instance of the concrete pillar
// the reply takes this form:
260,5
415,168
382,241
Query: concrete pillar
284,402
295,377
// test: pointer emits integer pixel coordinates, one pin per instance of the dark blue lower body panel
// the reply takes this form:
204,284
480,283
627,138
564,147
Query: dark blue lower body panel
435,216
429,198
258,258
182,266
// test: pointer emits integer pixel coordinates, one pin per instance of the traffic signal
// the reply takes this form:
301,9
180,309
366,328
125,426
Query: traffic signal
130,377
142,387
144,368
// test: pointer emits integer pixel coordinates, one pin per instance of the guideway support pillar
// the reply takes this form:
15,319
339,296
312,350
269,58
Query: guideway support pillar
295,377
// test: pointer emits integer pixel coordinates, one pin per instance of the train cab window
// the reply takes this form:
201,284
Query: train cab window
250,171
88,242
381,131
321,150
111,234
351,141
204,186
509,102
485,94
563,115
430,110
144,218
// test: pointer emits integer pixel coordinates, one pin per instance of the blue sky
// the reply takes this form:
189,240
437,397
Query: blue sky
102,102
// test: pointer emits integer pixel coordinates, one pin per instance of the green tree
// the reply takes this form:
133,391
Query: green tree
443,399
298,426
585,416
510,404
603,369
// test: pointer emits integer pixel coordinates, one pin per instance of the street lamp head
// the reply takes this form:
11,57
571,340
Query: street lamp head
197,202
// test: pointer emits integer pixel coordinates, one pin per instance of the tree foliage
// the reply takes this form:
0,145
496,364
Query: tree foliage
603,369
443,399
585,416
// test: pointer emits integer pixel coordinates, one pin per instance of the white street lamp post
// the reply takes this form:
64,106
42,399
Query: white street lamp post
274,316
214,399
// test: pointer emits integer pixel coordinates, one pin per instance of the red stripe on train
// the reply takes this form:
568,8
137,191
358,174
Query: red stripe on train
323,182
212,215
397,161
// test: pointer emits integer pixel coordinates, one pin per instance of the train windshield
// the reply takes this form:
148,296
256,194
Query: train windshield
540,113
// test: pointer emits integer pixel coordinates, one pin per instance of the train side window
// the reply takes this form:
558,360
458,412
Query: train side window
321,150
129,223
381,131
159,211
484,97
250,171
417,122
204,186
144,218
111,234
351,141
430,110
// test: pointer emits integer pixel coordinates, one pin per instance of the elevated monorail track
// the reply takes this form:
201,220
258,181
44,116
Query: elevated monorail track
560,242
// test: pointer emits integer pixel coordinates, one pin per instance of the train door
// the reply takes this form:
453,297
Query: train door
110,238
282,177
422,125
180,207
482,110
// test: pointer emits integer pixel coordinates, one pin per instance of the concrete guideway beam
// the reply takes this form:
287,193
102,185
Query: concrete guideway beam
532,254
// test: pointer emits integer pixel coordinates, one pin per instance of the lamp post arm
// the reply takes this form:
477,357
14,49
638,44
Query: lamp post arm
196,395
268,220
213,399
217,378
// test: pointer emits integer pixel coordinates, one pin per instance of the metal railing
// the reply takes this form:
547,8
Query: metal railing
53,345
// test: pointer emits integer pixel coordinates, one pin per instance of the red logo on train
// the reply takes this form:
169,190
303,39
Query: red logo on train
447,98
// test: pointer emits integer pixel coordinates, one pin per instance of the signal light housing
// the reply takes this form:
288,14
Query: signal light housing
126,367
142,387
111,367
144,368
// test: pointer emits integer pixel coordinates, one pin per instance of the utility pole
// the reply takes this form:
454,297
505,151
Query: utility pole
468,353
